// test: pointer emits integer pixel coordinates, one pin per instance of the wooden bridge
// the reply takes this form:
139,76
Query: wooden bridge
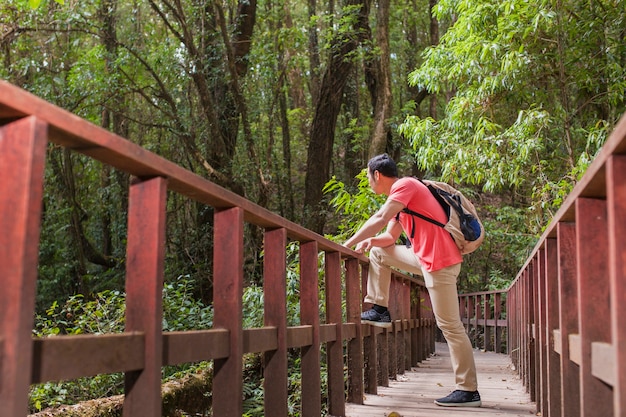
561,322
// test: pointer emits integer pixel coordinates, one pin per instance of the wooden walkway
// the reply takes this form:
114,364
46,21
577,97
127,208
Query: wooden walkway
413,393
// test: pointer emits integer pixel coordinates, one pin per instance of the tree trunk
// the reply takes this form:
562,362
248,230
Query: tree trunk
434,40
327,109
382,100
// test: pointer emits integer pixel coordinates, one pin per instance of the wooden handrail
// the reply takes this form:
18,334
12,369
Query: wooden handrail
567,306
27,125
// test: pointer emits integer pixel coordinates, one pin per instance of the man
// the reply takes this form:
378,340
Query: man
432,253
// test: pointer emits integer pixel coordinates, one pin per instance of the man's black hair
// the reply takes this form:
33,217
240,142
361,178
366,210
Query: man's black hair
383,164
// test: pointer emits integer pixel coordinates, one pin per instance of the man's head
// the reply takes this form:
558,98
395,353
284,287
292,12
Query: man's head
384,165
381,173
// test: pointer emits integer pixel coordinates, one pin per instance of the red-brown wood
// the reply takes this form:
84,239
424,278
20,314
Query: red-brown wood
354,283
143,350
616,204
22,158
553,365
334,349
488,315
594,300
568,317
309,310
541,337
227,294
275,383
195,345
144,292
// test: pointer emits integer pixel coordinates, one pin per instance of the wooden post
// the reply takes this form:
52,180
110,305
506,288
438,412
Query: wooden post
227,294
22,160
616,204
568,318
334,349
275,384
553,365
309,310
354,281
593,301
145,255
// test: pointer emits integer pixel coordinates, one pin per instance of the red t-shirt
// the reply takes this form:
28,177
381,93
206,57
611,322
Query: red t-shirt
432,244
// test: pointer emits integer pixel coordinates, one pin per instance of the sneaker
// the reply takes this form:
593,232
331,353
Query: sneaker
460,398
375,318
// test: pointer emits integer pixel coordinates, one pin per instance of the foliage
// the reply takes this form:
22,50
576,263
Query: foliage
104,313
528,110
354,208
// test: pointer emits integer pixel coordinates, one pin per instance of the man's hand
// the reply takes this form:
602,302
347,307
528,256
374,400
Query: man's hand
364,246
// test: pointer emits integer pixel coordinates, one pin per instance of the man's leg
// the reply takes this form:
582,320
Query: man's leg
379,276
445,302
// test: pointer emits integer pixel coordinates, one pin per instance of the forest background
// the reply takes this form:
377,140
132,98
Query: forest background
284,101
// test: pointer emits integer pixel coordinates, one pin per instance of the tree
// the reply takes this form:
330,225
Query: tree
345,41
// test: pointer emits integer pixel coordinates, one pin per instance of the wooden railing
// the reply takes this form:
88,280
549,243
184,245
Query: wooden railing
27,125
485,319
567,306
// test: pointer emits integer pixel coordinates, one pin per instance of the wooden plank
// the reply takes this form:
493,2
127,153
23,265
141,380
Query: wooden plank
275,371
227,295
299,336
556,336
145,260
542,343
413,394
328,333
260,339
348,330
553,360
309,314
70,357
593,297
575,350
568,318
532,356
334,348
195,346
616,206
22,159
603,362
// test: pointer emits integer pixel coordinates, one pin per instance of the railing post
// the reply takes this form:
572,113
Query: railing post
334,349
309,310
275,384
22,160
144,292
593,301
497,315
553,366
568,319
227,295
540,333
355,346
616,203
370,353
416,352
487,314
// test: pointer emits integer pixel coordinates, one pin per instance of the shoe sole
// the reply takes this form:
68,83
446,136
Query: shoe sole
467,404
377,323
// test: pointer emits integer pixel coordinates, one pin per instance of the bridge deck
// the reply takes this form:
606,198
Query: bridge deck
413,393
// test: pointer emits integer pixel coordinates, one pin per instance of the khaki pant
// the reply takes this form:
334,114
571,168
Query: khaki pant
442,289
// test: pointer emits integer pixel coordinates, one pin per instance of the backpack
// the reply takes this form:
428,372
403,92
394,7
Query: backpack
463,223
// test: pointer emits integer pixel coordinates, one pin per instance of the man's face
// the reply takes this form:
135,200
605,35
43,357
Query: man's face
373,178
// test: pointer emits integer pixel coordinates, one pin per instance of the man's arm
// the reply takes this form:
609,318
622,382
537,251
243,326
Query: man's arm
376,223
